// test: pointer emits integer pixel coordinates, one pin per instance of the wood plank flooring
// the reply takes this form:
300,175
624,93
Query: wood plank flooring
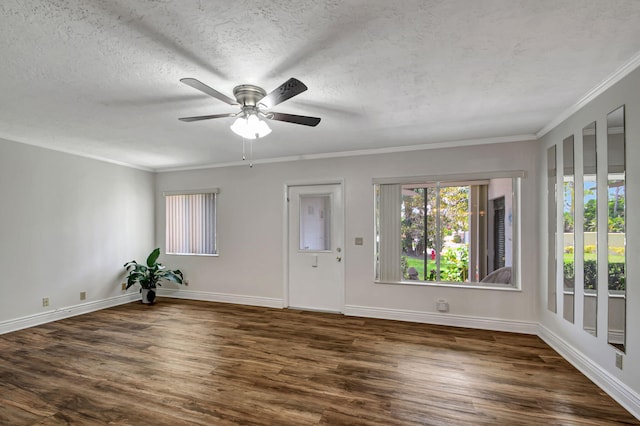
199,363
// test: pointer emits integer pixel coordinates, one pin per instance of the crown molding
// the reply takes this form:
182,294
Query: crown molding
360,152
81,154
606,84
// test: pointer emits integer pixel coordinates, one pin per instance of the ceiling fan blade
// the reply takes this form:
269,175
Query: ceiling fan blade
287,90
196,84
206,117
296,119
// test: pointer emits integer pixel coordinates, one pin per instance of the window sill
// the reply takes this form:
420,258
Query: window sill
192,254
477,286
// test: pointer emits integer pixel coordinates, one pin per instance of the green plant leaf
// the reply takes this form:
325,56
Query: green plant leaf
153,257
131,264
150,275
175,276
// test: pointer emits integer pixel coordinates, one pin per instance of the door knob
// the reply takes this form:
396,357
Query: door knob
339,259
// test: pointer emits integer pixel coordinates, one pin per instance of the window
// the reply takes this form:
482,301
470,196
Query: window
315,223
458,230
191,222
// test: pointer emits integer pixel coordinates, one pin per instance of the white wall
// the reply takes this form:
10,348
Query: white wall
595,356
250,231
67,224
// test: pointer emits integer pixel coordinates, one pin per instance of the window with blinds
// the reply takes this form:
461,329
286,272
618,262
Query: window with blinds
191,222
461,230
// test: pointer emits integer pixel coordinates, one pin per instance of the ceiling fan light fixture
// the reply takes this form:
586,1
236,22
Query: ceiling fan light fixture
250,127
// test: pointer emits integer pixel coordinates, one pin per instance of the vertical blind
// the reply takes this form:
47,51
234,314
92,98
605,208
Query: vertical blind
390,251
499,237
191,223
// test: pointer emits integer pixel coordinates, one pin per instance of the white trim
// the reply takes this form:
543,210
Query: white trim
83,155
450,320
605,85
440,284
285,247
62,313
619,391
285,226
452,179
616,336
192,191
314,182
237,299
361,152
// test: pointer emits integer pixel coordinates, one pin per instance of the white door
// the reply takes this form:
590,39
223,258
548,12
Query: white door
316,223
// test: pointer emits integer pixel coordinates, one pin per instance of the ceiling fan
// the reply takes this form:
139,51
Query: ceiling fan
254,104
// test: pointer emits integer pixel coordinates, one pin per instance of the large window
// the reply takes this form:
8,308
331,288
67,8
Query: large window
191,222
447,231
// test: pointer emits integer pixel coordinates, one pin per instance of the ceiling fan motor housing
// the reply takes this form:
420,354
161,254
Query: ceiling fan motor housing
248,94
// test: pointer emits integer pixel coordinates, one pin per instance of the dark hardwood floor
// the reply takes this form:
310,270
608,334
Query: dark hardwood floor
184,362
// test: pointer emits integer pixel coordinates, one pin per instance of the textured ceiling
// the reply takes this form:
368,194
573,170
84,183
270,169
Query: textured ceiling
101,78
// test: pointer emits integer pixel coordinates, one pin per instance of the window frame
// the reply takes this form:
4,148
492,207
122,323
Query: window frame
207,191
516,194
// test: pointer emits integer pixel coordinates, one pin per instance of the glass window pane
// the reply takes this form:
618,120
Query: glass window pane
412,233
315,222
568,220
433,244
447,232
454,232
590,229
616,169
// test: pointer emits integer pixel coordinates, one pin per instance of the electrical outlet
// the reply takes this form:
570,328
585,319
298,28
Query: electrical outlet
45,302
124,286
619,361
442,305
83,295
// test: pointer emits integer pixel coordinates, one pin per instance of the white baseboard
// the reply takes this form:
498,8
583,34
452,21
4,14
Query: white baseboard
619,391
237,299
451,320
61,313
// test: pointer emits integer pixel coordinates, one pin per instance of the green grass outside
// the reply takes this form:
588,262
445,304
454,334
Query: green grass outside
418,263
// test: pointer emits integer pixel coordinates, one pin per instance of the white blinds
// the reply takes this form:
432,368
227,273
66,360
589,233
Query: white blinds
191,223
389,233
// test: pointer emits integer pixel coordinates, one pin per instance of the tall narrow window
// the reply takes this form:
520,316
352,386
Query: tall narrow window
568,219
617,225
590,228
191,223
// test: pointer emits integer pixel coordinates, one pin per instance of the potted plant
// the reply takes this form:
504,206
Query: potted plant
150,275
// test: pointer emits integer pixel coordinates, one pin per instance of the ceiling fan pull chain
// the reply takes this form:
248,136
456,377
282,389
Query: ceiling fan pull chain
250,153
243,155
